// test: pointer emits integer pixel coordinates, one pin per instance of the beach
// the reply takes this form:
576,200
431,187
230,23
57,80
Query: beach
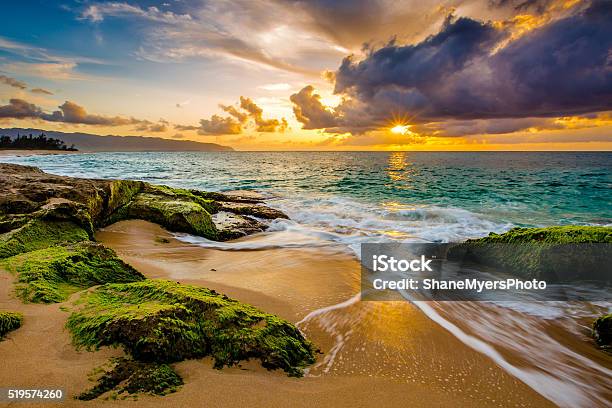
425,366
306,270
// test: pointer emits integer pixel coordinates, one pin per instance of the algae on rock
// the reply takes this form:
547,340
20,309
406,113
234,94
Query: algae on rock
556,254
9,321
50,275
39,234
163,321
128,377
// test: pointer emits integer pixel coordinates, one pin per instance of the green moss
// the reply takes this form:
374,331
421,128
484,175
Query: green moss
185,195
175,214
9,321
131,377
50,275
121,193
550,253
163,321
39,234
602,331
570,234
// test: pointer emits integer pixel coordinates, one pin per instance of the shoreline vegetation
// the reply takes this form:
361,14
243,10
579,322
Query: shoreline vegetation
40,142
48,229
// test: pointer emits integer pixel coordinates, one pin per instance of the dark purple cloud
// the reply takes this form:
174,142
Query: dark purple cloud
562,68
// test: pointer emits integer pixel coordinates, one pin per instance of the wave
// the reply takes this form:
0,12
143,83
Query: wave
319,221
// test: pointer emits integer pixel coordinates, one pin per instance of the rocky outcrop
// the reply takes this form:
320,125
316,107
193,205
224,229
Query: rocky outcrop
555,254
47,223
36,209
51,274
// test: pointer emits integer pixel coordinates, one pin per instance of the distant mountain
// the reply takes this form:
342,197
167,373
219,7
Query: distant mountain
111,143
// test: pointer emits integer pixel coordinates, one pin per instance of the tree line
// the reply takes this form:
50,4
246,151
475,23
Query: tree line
41,142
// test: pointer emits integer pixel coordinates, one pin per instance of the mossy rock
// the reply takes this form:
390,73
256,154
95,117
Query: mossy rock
163,321
9,321
602,331
38,234
120,193
174,213
129,377
569,234
50,275
208,204
555,254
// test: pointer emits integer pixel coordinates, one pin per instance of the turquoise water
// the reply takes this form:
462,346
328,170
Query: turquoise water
392,192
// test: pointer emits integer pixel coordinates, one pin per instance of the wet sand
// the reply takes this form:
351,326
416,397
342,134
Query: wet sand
387,354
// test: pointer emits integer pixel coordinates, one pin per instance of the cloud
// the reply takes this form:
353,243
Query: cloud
97,13
275,87
239,116
309,110
161,126
186,127
69,112
37,61
218,125
20,109
256,113
41,91
12,82
246,114
559,69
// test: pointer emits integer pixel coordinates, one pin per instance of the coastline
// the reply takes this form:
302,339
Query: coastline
440,370
25,152
389,351
294,282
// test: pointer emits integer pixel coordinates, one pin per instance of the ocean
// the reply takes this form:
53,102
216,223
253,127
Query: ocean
365,196
341,199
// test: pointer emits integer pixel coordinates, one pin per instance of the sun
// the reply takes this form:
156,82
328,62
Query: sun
400,129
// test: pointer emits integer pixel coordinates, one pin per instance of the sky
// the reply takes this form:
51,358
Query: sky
315,75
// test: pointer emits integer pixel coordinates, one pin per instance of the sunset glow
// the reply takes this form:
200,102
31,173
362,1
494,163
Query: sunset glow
308,77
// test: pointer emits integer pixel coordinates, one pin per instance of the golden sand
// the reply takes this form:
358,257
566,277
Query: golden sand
373,354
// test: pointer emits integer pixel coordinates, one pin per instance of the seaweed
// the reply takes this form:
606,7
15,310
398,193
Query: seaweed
50,275
129,377
556,254
9,321
38,234
568,234
163,321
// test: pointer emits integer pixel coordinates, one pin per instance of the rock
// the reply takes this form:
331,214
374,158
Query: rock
602,331
28,194
237,196
39,234
9,321
549,253
232,226
162,321
129,377
51,274
256,210
174,213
